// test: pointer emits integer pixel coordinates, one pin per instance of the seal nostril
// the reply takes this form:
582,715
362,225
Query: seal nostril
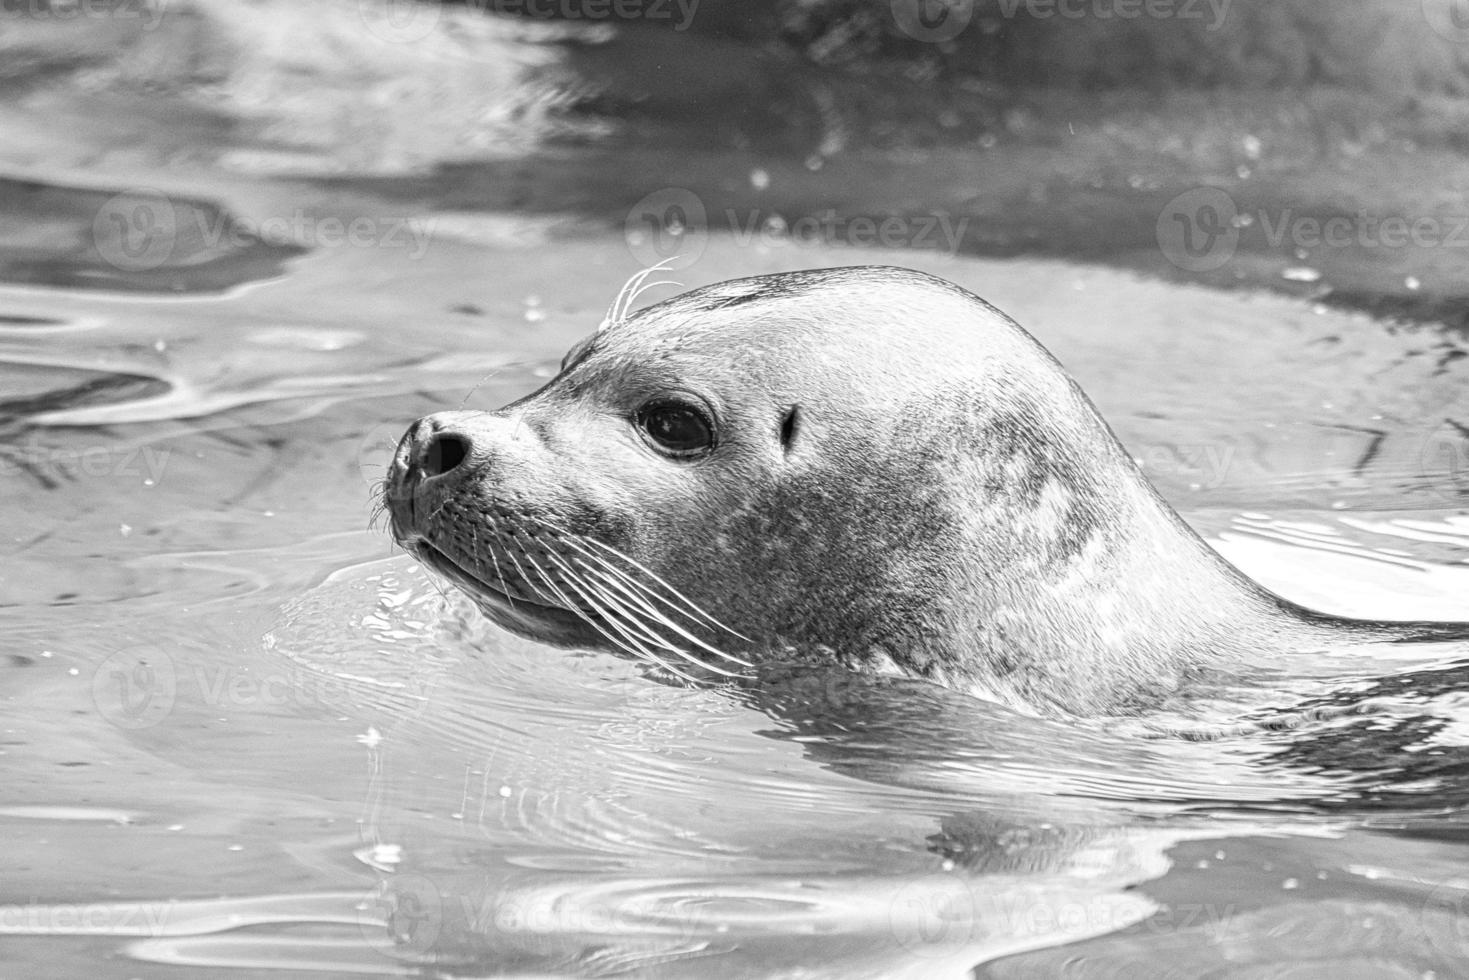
444,453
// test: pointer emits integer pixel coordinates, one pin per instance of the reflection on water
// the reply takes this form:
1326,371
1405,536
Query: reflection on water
352,753
239,731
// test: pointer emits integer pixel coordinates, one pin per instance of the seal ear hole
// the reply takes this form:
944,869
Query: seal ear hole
788,427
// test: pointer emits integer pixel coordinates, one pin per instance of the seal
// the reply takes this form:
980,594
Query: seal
866,467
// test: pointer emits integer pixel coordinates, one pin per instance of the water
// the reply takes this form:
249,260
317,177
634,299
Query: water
241,735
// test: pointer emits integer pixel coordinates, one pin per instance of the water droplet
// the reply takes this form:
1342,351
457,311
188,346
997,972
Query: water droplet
1301,273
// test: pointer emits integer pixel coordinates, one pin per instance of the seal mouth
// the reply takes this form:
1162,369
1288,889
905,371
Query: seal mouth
537,620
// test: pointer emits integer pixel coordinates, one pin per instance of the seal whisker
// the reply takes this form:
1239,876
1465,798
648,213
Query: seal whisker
551,584
643,287
630,289
525,576
636,632
614,312
689,608
433,577
495,562
643,627
628,293
692,606
625,642
663,619
379,507
480,384
606,568
611,316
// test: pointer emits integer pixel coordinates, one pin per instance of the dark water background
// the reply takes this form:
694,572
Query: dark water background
242,245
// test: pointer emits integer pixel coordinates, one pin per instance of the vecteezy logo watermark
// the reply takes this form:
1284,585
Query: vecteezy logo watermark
933,912
400,21
671,227
1198,230
403,916
137,230
143,229
1202,229
1448,18
932,21
668,227
406,21
1445,459
150,12
135,688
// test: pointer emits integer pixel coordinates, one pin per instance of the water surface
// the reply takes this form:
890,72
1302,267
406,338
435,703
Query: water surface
243,736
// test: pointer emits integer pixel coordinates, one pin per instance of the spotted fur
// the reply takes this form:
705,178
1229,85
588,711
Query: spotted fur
952,507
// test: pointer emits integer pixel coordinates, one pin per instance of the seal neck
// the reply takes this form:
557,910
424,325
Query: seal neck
1098,598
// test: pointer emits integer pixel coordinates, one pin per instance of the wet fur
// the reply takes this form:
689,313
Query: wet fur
950,507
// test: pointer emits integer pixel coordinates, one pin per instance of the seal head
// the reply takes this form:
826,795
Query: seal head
867,466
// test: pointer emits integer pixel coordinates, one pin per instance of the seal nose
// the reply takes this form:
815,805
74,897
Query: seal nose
443,453
434,449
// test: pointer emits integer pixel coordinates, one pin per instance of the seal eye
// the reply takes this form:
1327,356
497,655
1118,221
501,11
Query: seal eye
676,429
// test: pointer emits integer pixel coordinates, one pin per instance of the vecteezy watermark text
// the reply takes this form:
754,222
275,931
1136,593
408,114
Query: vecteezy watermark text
150,12
138,687
144,229
407,21
1202,229
1215,12
406,914
936,913
937,231
1202,467
146,463
938,21
329,231
671,226
96,919
680,12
